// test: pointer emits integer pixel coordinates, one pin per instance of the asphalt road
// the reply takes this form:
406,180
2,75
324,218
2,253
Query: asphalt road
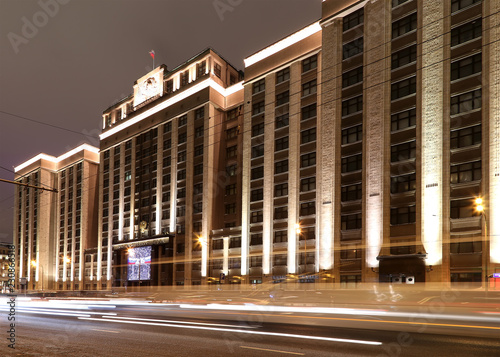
173,330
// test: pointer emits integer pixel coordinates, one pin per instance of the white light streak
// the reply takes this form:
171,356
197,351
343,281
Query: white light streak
284,43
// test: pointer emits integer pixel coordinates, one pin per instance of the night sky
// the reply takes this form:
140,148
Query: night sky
64,65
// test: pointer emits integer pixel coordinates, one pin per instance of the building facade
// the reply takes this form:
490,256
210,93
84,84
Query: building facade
353,151
55,223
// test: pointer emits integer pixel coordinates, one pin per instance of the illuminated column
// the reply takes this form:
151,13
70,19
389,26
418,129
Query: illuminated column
209,182
159,182
245,186
493,24
225,263
328,129
293,164
267,224
122,199
432,129
375,94
132,192
173,178
100,219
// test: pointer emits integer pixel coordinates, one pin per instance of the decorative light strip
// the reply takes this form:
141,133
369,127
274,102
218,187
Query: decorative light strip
284,43
57,159
193,90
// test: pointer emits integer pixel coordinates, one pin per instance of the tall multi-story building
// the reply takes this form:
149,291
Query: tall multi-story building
52,228
170,155
353,151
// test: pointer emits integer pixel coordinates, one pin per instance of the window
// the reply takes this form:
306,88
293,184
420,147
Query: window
181,193
202,68
230,189
230,208
257,129
309,63
282,121
309,88
166,161
403,183
281,144
181,156
184,78
182,138
280,260
256,217
308,159
466,247
198,169
308,208
281,166
403,88
352,77
234,263
218,244
404,119
231,170
307,184
181,211
232,79
352,48
257,172
198,150
354,19
281,190
232,114
167,127
167,144
283,75
350,221
466,102
403,57
169,86
405,25
258,108
351,192
231,133
352,134
280,237
217,69
457,5
308,136
256,239
309,112
181,174
352,163
198,207
235,242
231,151
351,106
282,98
467,172
198,188
466,67
199,113
467,32
257,195
257,151
463,208
403,151
255,262
199,131
281,212
465,137
259,86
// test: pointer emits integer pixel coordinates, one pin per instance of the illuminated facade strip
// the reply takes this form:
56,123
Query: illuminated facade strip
181,96
281,45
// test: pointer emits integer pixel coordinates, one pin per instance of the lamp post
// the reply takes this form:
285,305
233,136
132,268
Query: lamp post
480,208
34,264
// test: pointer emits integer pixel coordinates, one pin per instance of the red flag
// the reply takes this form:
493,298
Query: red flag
152,54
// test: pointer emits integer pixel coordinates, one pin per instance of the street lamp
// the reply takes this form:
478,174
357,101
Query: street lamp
34,264
480,208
